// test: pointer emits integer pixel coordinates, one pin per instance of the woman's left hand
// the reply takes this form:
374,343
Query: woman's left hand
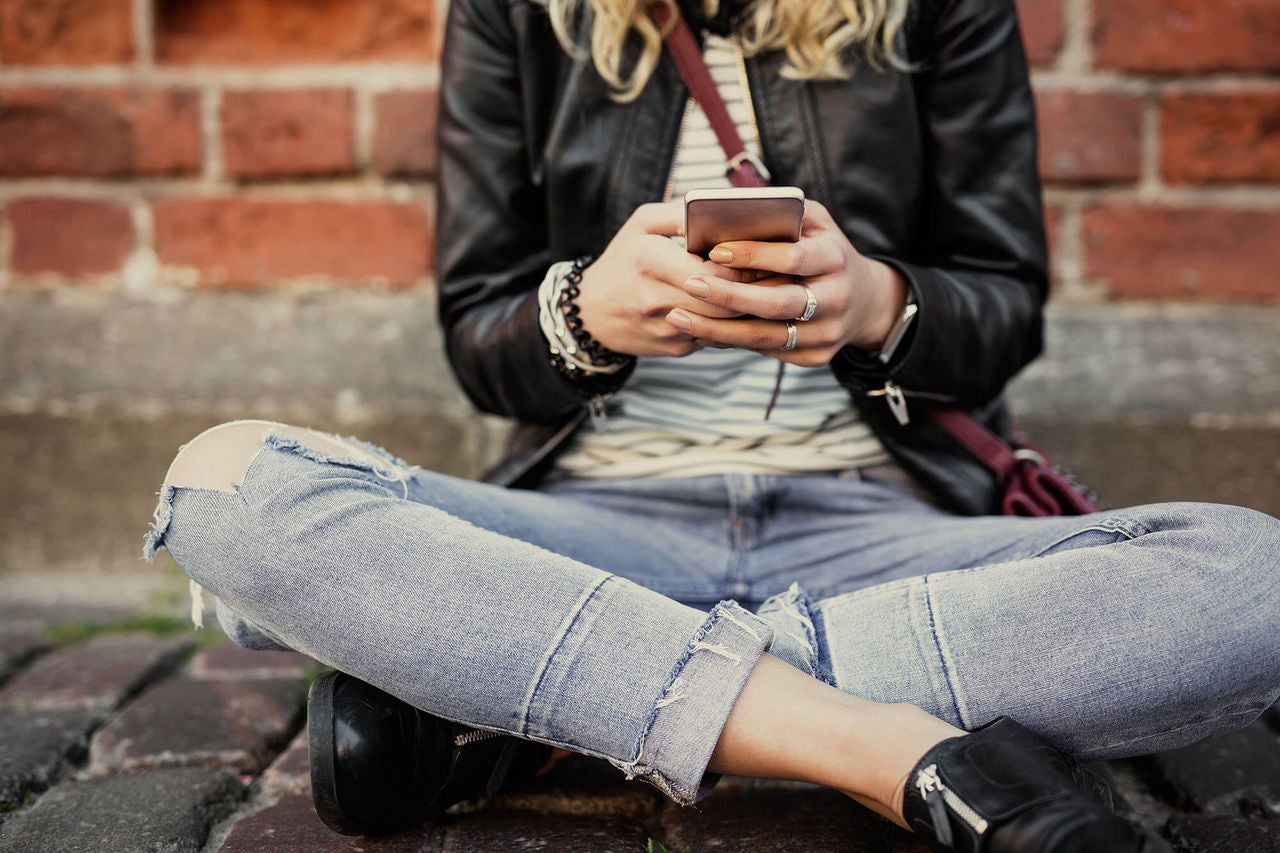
858,298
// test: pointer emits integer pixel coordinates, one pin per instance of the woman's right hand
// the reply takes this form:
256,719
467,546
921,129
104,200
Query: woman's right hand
628,292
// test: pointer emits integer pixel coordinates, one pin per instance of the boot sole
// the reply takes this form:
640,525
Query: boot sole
324,780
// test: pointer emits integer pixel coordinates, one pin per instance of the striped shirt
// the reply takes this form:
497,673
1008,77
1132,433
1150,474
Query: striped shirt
704,413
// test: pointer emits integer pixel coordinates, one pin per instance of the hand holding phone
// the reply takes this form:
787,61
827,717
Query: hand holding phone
767,214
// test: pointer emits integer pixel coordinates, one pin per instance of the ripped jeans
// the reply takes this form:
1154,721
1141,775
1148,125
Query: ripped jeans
621,619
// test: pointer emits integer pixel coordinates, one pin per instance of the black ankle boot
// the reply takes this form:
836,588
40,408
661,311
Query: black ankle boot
1002,789
380,765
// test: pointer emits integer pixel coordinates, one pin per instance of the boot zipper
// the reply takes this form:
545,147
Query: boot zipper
938,797
475,736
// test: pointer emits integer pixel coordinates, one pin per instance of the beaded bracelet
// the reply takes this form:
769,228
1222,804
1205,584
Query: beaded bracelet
597,354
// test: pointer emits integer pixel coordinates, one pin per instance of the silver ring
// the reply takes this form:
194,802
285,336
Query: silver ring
792,334
810,305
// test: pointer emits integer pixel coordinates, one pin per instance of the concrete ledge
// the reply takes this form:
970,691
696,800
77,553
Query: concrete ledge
1181,363
97,393
352,352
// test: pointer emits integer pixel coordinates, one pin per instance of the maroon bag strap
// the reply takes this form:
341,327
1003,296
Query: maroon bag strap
744,170
1030,484
989,448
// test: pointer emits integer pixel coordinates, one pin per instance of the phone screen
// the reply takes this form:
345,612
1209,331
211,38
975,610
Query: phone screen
771,214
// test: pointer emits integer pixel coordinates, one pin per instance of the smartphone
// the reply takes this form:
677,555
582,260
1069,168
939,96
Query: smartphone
771,214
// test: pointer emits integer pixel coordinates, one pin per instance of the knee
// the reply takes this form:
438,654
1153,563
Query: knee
218,457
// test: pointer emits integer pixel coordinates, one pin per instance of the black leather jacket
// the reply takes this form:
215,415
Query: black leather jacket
933,172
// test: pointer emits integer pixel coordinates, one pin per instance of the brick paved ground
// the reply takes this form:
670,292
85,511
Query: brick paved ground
133,742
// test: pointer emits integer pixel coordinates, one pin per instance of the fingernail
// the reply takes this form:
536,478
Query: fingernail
697,287
679,318
721,255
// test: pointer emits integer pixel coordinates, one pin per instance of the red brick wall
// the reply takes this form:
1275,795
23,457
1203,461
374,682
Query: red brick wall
221,144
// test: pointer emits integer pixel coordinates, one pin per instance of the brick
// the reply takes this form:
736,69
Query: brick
66,32
580,785
1197,253
290,825
37,744
239,243
18,647
404,142
278,134
765,816
1043,29
98,132
96,674
227,660
170,810
276,32
1165,36
1089,137
1223,834
237,724
562,833
73,237
1220,137
1238,771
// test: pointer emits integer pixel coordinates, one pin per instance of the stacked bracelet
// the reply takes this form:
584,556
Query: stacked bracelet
598,355
573,352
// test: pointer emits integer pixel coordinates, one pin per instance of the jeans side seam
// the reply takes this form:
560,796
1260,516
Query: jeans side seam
940,647
1129,529
1248,714
566,628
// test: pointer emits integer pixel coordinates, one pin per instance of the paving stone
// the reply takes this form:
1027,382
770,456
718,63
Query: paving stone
36,743
227,660
579,786
561,833
16,648
1226,772
782,818
99,673
291,826
167,810
239,724
291,771
1224,834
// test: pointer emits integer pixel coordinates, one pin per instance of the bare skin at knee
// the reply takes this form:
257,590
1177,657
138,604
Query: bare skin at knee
219,457
788,725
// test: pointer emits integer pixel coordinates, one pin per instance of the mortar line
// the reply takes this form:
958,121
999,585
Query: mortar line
144,33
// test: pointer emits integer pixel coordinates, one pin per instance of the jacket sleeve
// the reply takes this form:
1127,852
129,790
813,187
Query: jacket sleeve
979,274
492,241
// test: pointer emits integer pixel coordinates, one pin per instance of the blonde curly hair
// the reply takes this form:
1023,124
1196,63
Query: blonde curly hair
813,33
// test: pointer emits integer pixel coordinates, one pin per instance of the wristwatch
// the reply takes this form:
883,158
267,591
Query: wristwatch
899,330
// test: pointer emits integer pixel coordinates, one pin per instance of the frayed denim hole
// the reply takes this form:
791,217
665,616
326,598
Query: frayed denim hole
162,517
794,608
390,474
823,668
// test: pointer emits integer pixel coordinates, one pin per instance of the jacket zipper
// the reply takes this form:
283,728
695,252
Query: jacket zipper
938,797
896,399
745,83
671,172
